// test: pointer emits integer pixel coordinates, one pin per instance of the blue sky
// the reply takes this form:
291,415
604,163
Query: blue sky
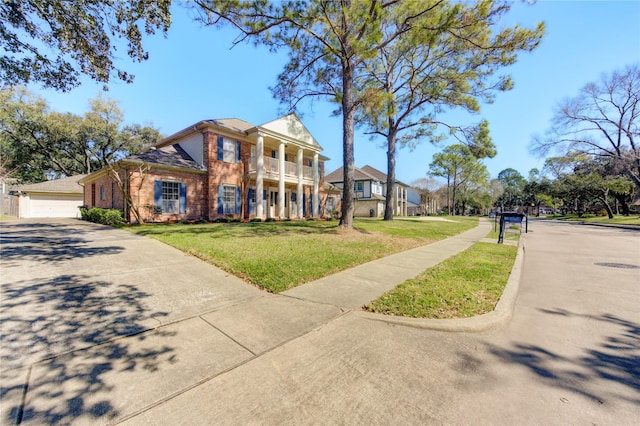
193,75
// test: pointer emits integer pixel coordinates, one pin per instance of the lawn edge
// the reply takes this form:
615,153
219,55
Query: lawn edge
499,317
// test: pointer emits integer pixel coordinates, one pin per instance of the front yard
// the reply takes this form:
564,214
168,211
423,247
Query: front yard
277,256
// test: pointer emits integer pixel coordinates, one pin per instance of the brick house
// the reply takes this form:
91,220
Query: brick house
370,188
218,168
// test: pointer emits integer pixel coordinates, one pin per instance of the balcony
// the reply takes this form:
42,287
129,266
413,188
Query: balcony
272,170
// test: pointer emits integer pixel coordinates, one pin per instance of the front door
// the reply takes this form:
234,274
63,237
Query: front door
273,203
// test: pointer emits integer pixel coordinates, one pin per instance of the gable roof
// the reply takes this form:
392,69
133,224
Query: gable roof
68,185
358,174
380,175
291,127
168,156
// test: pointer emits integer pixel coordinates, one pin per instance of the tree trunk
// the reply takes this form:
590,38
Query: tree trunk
391,173
453,196
348,124
623,203
448,195
604,198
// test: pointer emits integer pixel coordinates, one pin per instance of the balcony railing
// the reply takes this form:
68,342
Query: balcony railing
272,166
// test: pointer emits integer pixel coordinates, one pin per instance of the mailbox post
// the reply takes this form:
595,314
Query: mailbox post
512,217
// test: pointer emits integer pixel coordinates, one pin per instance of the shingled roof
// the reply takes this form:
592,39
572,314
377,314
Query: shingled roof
172,156
359,174
67,185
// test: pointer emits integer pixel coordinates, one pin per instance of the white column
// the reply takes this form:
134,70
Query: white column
259,176
316,182
300,189
281,180
406,201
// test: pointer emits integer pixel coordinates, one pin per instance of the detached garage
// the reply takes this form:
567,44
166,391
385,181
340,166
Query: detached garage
54,198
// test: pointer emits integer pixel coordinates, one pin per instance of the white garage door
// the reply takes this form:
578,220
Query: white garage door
51,205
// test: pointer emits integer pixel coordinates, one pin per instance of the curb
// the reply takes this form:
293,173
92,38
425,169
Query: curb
499,317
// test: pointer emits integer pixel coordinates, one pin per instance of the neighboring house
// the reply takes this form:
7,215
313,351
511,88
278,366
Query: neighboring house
218,168
370,189
53,198
414,207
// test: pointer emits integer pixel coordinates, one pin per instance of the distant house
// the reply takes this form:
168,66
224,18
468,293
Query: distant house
53,198
219,168
414,207
370,190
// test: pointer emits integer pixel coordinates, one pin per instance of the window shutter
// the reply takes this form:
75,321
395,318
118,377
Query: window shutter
220,199
238,200
183,198
238,156
311,205
157,193
304,204
250,193
220,148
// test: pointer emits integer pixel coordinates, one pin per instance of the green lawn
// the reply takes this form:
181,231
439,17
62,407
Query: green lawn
281,255
633,219
465,285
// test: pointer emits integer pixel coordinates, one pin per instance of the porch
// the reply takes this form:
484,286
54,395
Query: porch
271,168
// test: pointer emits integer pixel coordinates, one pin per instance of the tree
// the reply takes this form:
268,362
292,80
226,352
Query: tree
41,143
329,43
513,185
52,42
536,190
603,120
448,60
460,167
124,178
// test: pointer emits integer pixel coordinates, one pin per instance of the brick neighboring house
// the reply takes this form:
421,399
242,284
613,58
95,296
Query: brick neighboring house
371,189
220,168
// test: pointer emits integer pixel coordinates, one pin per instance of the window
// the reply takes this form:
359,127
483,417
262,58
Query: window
170,197
228,150
331,204
251,198
229,199
103,193
376,188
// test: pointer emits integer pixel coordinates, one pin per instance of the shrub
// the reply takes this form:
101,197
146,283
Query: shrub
270,219
255,219
111,217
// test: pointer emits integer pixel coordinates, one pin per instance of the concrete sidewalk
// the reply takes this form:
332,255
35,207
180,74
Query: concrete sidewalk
356,287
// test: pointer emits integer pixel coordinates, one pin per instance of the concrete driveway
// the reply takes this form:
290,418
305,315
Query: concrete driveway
99,326
96,323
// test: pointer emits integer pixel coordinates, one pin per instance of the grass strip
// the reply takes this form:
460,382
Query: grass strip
280,255
633,219
462,286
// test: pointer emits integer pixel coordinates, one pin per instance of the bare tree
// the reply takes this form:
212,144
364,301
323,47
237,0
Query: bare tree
123,177
603,121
